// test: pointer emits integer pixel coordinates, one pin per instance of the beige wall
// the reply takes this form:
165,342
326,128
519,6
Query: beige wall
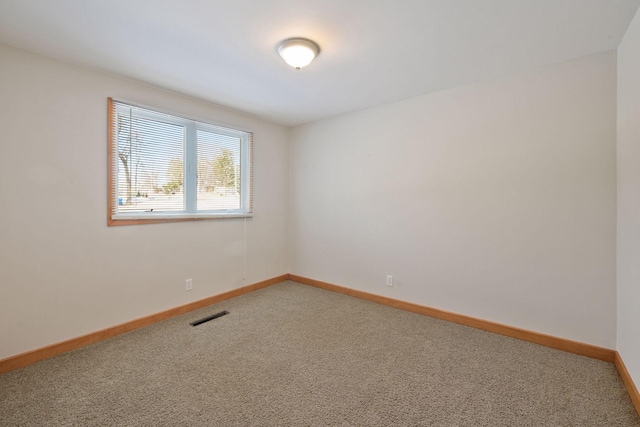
63,272
495,200
629,199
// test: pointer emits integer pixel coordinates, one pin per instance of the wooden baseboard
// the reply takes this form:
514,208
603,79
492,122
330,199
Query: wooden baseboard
534,337
24,359
628,382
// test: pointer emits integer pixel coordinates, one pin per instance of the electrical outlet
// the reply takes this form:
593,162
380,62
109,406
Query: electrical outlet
188,284
389,280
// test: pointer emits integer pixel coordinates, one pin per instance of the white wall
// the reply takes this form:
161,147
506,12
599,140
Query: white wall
495,200
63,272
629,199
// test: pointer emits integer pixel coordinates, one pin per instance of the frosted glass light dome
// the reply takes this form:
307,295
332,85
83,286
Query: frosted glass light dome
297,52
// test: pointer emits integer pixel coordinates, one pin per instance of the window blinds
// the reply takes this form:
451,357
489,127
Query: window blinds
165,166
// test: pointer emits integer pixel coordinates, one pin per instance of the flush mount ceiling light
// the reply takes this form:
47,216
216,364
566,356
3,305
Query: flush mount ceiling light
298,52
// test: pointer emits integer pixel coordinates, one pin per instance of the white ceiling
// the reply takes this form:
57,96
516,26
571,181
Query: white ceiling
372,51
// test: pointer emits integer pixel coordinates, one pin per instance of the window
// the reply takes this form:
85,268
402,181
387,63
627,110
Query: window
168,168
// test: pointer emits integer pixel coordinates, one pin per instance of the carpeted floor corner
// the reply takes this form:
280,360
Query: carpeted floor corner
296,355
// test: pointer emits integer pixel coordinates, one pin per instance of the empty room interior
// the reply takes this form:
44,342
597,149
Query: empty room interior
432,219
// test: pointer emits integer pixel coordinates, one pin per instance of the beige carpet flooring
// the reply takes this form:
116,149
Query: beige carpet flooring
295,355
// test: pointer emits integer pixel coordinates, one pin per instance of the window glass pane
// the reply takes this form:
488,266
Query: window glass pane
150,164
218,171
